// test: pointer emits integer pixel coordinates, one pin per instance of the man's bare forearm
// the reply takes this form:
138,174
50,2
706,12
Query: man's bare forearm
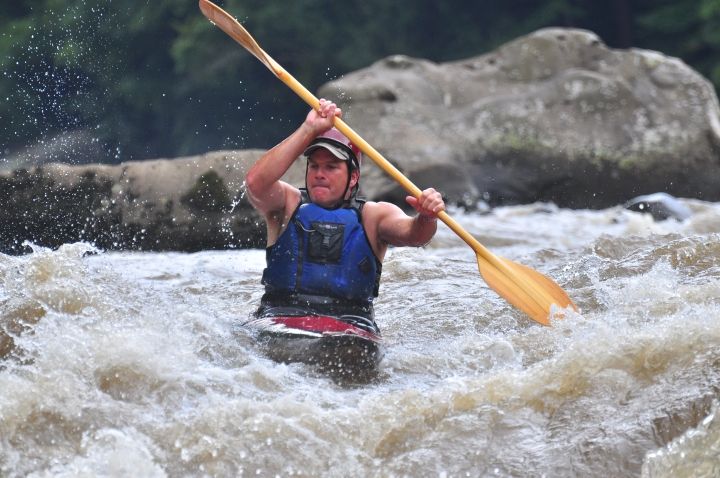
274,163
421,231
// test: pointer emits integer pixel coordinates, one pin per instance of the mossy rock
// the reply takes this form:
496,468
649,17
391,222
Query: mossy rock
208,194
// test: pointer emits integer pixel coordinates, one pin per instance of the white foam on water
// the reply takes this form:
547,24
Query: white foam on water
140,355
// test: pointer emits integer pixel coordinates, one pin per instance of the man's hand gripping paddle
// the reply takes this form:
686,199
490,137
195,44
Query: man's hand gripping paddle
525,288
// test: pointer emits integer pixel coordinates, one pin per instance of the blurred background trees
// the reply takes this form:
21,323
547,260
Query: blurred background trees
155,79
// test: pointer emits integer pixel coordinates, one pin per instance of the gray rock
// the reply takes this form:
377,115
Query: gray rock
185,204
660,206
552,116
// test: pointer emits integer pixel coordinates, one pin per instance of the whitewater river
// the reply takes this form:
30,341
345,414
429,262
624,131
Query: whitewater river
133,364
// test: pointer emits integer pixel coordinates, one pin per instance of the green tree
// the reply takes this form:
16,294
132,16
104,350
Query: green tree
688,29
153,79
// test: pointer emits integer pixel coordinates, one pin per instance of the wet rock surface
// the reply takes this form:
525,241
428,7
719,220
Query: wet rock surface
552,116
185,204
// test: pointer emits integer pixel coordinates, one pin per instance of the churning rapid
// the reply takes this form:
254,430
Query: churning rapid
135,364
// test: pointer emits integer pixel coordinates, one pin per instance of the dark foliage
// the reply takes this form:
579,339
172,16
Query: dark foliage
155,79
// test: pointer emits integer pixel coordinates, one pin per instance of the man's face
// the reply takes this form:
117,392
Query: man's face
327,178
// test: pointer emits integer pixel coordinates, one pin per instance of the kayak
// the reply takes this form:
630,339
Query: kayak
344,345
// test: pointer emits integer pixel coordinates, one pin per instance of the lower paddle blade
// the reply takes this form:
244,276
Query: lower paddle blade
558,295
515,289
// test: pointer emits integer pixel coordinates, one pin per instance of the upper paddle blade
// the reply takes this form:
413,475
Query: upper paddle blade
537,305
229,25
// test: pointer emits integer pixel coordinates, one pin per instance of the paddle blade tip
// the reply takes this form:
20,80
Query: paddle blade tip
562,311
206,7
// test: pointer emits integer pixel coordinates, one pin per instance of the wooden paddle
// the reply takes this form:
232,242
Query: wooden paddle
523,287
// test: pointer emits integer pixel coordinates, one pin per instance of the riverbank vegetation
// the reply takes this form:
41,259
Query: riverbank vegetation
153,79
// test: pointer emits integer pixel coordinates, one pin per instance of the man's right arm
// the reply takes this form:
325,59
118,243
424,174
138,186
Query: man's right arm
265,190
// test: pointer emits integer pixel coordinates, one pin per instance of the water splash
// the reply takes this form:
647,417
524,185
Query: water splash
141,354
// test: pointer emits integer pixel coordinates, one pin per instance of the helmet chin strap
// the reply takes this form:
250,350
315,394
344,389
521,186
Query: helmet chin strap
351,168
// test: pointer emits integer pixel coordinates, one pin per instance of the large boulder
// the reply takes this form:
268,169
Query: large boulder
552,116
185,204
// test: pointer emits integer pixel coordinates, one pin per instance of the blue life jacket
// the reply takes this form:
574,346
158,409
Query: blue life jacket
323,252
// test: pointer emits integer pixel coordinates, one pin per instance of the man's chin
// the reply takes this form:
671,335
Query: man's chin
321,199
319,194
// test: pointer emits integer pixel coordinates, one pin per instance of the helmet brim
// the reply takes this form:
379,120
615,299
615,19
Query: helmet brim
336,151
340,151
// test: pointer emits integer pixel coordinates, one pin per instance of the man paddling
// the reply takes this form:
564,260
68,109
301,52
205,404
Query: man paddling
325,246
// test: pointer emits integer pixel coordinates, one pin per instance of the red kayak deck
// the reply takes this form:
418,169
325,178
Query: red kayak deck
311,326
345,344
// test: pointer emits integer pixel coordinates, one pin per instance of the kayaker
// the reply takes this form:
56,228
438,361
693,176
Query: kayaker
325,246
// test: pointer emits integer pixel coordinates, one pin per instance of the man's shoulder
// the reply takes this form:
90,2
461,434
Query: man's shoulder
381,205
379,209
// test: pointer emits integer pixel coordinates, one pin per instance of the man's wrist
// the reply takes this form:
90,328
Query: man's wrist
307,130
